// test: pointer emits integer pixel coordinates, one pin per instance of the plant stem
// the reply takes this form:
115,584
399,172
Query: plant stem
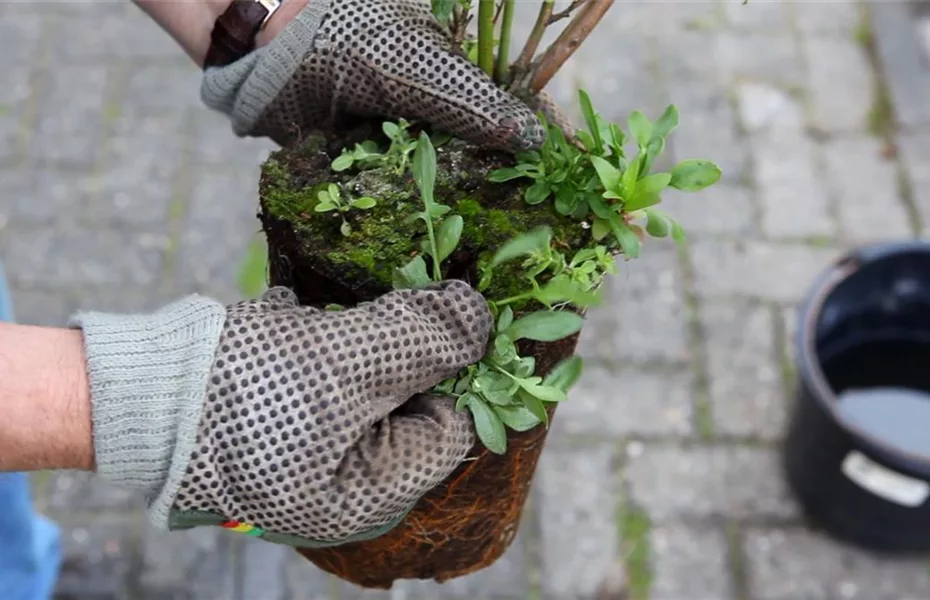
535,37
503,50
486,36
568,41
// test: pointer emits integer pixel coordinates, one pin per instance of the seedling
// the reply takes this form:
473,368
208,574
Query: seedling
330,200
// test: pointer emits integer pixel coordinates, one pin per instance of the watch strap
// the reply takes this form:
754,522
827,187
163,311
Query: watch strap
234,31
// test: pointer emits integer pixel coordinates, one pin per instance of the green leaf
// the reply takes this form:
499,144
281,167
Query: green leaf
667,122
505,174
535,240
656,224
343,162
562,289
424,167
252,278
489,426
518,418
545,326
364,203
526,366
442,9
565,200
413,275
565,374
505,319
678,234
599,229
587,140
647,190
447,236
325,206
465,399
333,307
545,393
607,173
625,236
537,192
390,129
504,348
333,190
640,128
599,207
695,174
535,406
345,229
590,118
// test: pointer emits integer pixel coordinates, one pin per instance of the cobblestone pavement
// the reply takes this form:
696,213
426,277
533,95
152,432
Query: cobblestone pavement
120,192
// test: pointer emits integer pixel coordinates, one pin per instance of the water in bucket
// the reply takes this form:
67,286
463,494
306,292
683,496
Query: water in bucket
883,389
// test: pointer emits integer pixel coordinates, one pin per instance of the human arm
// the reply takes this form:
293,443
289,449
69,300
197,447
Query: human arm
190,22
309,425
45,400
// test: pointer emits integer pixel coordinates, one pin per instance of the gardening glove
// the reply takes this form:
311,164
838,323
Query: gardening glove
293,424
366,58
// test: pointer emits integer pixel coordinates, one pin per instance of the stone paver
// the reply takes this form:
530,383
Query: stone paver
121,192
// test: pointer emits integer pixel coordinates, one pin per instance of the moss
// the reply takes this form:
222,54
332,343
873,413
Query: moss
635,527
384,237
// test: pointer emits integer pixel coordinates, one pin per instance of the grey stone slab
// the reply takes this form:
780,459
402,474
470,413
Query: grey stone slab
792,198
505,579
97,559
836,18
707,128
197,564
78,490
141,165
623,402
577,509
757,56
219,226
642,315
20,36
903,62
789,564
686,59
87,8
840,86
864,184
690,561
216,145
79,256
914,153
262,565
123,299
737,482
723,210
664,19
45,195
70,125
16,95
306,582
746,392
137,36
163,89
33,307
778,272
771,15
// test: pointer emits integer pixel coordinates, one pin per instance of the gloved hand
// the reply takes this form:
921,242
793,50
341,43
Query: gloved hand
309,427
367,58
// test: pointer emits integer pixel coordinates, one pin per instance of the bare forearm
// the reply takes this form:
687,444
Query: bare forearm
190,22
45,400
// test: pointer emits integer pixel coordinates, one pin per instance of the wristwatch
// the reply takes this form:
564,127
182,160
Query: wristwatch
234,31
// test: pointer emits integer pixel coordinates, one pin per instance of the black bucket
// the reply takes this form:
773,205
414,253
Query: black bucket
857,450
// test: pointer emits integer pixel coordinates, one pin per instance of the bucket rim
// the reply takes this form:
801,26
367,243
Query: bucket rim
810,372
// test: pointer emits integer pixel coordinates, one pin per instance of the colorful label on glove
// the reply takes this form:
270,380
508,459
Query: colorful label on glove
240,527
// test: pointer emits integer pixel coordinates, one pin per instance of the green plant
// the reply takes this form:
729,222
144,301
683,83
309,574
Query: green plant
491,50
330,200
369,154
594,181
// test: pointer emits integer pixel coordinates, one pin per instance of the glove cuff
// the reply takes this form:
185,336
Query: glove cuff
245,88
148,379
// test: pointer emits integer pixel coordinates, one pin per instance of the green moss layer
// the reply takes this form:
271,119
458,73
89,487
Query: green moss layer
384,237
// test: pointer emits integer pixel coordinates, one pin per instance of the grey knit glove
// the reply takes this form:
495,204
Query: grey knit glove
366,58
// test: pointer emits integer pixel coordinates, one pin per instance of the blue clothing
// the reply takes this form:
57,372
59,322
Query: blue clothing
30,551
